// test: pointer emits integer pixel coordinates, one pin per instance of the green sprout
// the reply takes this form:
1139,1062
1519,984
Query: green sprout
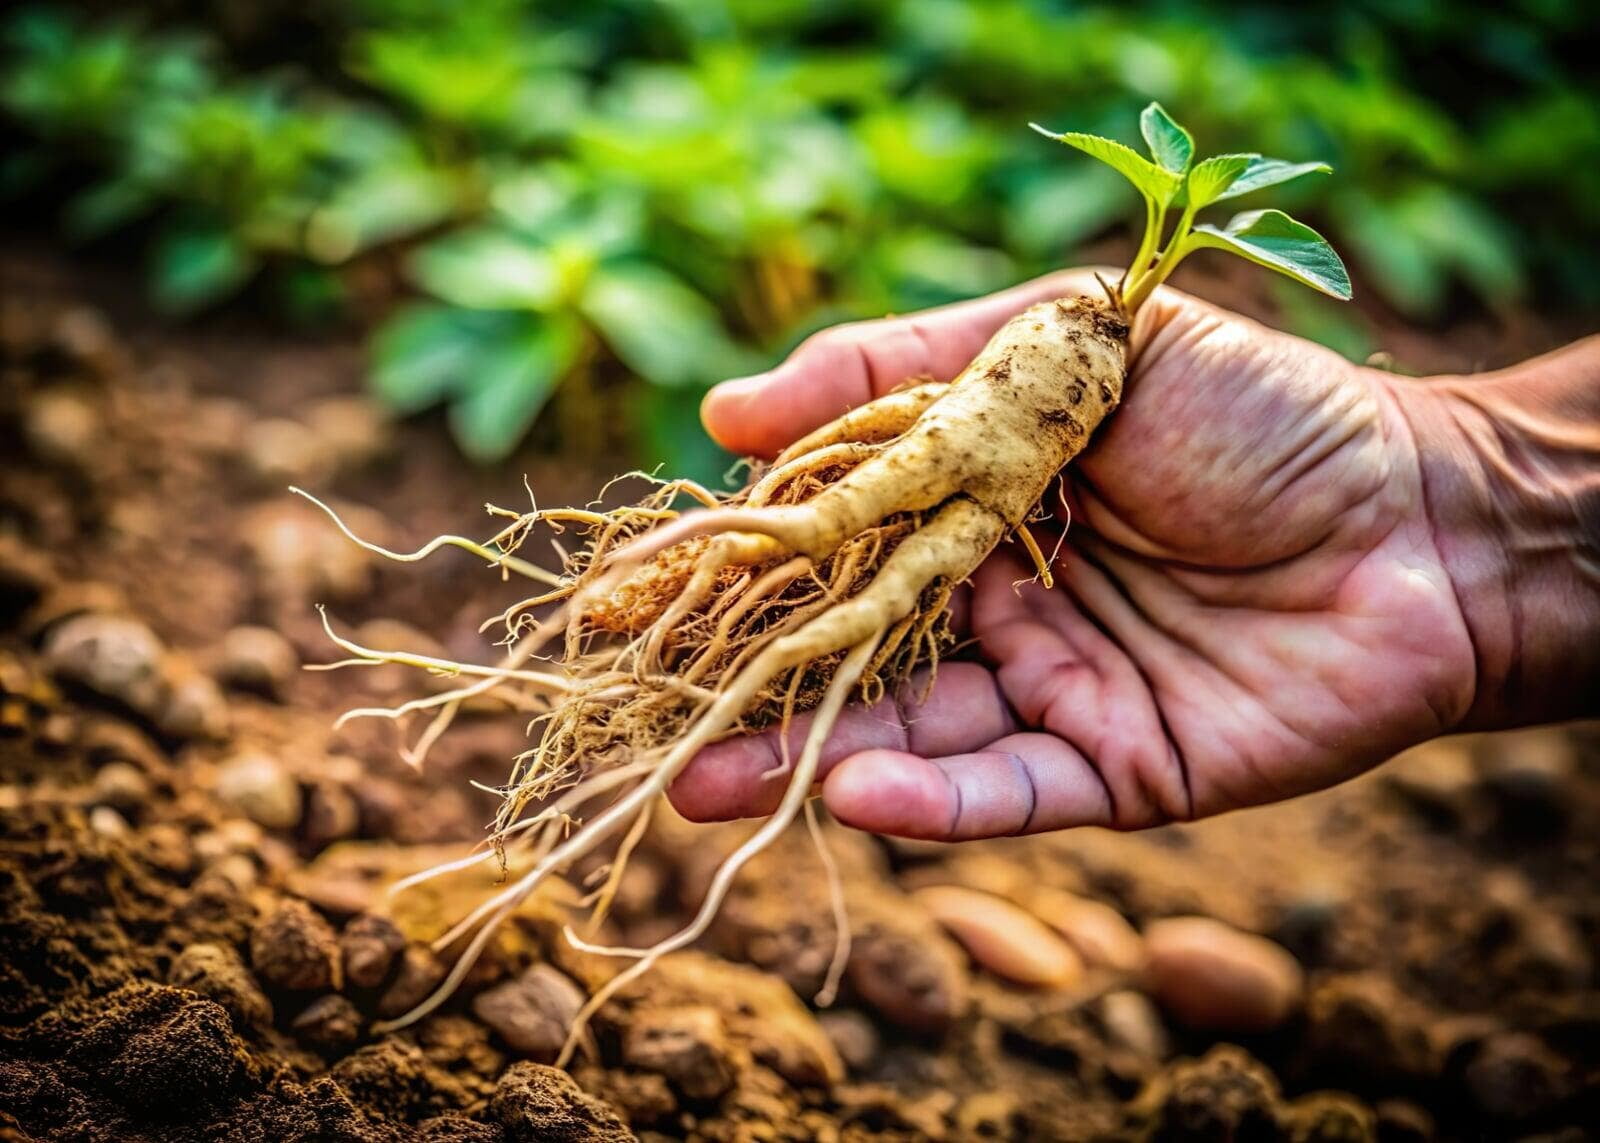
1171,178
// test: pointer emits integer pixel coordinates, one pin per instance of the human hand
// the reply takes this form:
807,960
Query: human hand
1249,600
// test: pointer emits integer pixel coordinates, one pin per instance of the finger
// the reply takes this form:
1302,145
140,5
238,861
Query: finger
849,365
743,777
1063,673
1019,784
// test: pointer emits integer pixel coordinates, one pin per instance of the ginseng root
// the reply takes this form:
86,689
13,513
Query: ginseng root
825,580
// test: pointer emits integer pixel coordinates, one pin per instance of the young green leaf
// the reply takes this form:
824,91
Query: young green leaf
511,383
486,269
1271,238
1269,173
425,352
1155,183
1170,145
657,324
1210,179
196,266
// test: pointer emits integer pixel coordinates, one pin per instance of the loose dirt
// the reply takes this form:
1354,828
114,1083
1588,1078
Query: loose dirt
194,936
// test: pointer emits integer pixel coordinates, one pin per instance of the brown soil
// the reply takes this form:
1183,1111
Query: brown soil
194,941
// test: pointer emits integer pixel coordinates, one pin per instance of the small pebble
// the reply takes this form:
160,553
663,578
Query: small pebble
300,555
370,945
915,977
1101,935
532,1012
1401,1121
237,870
279,452
257,659
331,814
258,786
419,974
1211,975
687,1045
234,835
988,1115
106,822
121,785
195,708
1002,937
854,1037
57,731
329,1022
85,337
1514,1077
62,427
112,655
293,948
352,430
1133,1024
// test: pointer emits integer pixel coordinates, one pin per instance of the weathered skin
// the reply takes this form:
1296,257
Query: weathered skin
972,459
996,435
1045,381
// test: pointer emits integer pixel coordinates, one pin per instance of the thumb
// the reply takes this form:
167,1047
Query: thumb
848,365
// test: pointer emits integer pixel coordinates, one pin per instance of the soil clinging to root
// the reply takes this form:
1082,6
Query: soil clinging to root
195,941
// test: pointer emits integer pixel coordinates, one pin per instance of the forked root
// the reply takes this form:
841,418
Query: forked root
856,626
825,580
794,797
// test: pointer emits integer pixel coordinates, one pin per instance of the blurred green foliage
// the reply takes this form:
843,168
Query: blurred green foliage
681,189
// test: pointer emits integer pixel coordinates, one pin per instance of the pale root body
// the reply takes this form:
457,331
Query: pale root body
829,576
832,571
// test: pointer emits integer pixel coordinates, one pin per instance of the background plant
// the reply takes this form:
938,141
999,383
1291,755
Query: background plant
672,190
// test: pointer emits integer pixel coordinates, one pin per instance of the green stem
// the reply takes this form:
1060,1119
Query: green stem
1143,284
1155,217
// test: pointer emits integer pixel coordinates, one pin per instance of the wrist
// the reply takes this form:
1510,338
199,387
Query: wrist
1510,465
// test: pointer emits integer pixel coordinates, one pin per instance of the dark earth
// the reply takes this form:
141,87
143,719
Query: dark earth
194,937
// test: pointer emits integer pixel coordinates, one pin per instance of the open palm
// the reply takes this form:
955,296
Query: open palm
1249,603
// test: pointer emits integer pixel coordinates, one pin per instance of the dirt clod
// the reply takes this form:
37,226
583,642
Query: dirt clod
531,1013
369,946
1331,1117
538,1104
418,974
329,1022
853,1036
688,1046
915,980
294,949
1224,1095
216,972
160,1050
1514,1077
